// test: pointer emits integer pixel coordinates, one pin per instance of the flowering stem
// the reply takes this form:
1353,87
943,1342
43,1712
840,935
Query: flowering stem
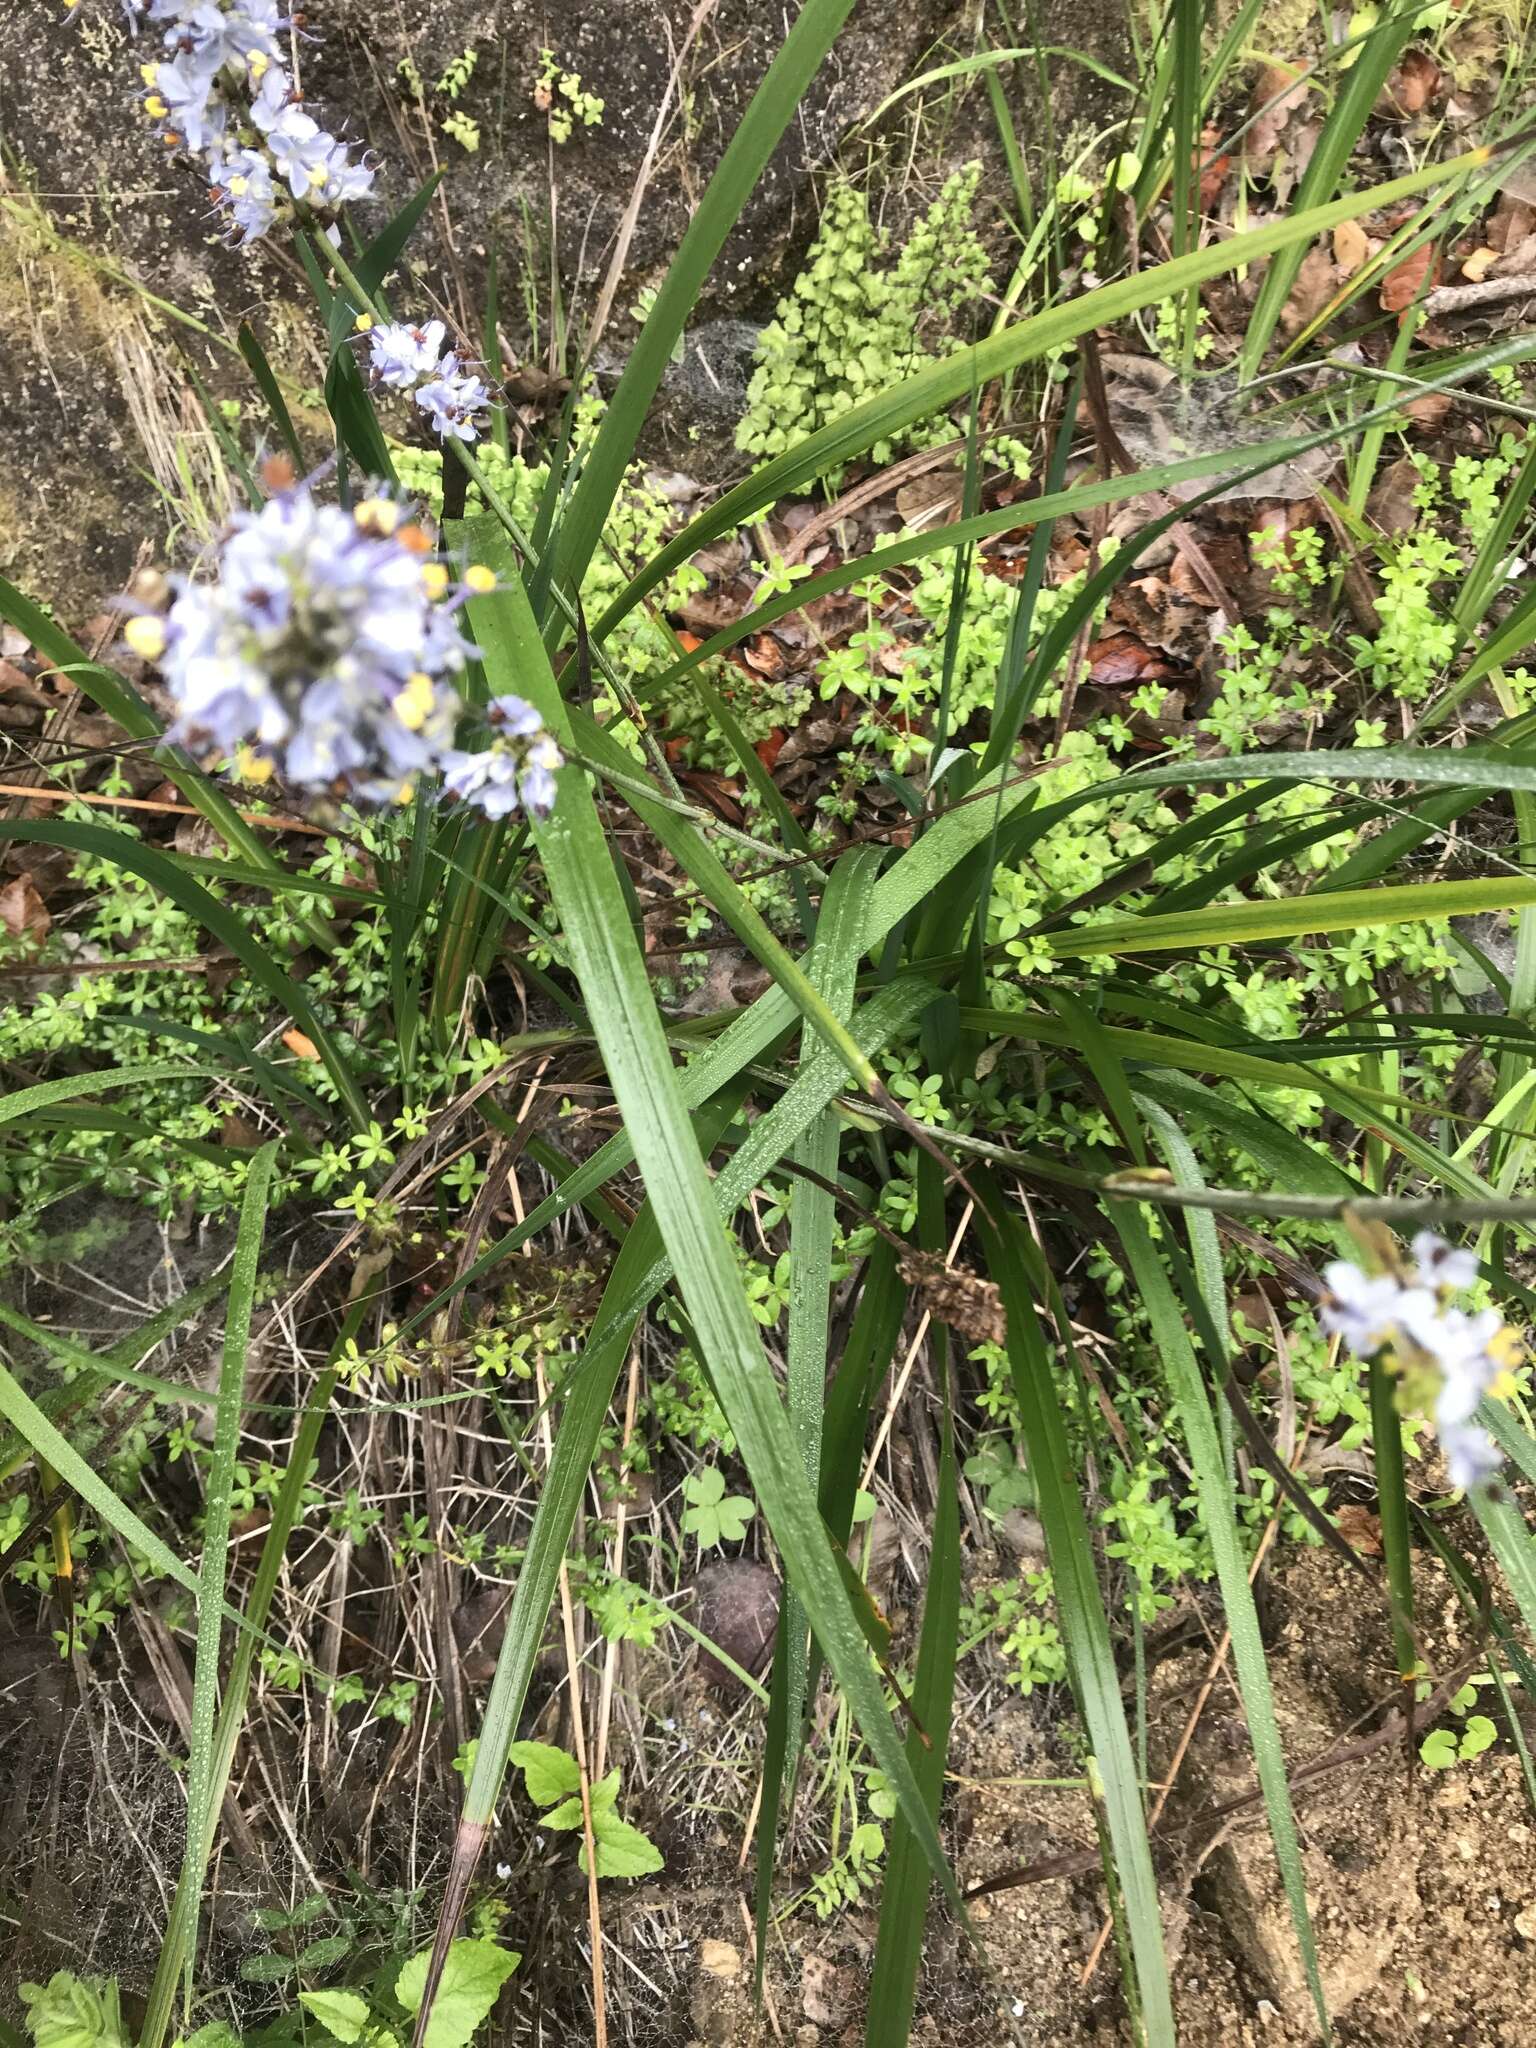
367,302
1326,1208
1392,1503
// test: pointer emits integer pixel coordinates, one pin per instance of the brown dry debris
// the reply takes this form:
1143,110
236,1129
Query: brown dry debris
957,1296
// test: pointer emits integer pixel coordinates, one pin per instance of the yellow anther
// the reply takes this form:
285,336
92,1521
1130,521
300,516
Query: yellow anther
146,636
251,766
434,578
149,73
155,107
377,515
363,322
479,579
413,706
317,176
259,63
238,187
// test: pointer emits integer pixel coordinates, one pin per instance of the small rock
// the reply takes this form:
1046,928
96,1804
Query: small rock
738,1608
823,1993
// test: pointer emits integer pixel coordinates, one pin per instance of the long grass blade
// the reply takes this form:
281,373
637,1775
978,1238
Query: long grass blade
904,1896
769,113
1219,1518
1080,1606
202,1805
181,1925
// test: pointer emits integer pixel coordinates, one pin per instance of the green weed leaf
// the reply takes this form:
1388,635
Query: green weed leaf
472,1979
341,2013
548,1773
715,1516
622,1851
74,2012
1478,1735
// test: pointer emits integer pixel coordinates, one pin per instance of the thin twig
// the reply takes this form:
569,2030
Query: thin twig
1490,291
274,821
578,1746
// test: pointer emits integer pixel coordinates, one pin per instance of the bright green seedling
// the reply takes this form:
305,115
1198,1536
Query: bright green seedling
74,2012
456,123
715,1516
473,1976
560,94
302,1951
1442,1747
84,2012
552,1779
1445,1746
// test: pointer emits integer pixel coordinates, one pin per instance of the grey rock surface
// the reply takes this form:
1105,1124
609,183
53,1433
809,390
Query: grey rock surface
96,224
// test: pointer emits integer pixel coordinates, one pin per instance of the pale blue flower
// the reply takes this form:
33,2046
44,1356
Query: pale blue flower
216,36
452,400
1406,1317
224,76
299,148
400,355
243,188
320,648
192,108
1441,1266
345,179
515,772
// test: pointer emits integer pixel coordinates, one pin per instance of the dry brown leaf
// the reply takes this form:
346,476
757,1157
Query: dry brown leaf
1510,222
301,1047
1412,85
1391,507
1276,98
1316,282
1430,410
1351,247
1400,286
23,913
1212,172
1360,1529
1519,260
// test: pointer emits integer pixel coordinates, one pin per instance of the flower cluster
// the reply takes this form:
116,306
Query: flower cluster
1449,1360
223,94
323,653
516,771
406,358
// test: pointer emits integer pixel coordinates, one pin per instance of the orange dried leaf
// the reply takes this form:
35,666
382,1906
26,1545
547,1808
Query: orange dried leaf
1400,286
1360,1529
1351,247
23,913
301,1047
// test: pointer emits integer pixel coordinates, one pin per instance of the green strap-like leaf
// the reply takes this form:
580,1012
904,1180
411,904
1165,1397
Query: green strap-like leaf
285,989
1084,1624
756,136
1219,1521
629,1031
